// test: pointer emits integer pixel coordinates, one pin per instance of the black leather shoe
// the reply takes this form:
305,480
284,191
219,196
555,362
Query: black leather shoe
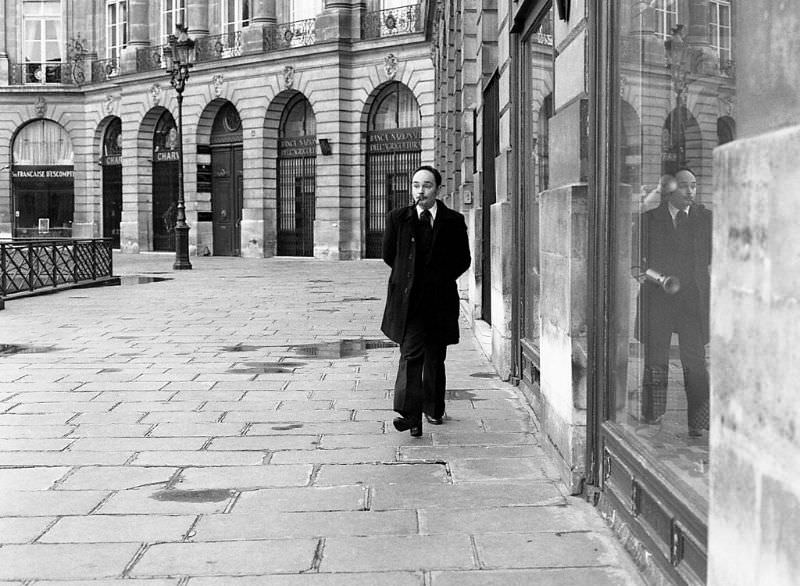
401,423
416,429
434,420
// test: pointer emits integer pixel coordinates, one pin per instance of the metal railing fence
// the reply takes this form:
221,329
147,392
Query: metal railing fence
30,265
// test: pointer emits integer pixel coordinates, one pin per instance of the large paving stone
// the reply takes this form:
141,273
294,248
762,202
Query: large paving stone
338,456
165,502
119,444
64,407
319,579
36,503
481,469
156,582
30,478
32,431
544,550
334,498
244,477
265,442
115,477
328,428
226,558
406,474
253,416
197,429
361,440
22,529
111,429
64,458
118,528
465,496
362,554
68,561
204,458
514,519
546,577
304,524
449,453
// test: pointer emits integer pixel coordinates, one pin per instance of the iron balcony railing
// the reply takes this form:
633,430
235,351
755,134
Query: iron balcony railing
299,33
150,58
216,47
105,69
45,74
30,265
390,22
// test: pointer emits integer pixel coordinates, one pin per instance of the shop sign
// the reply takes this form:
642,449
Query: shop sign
303,146
164,156
42,172
112,160
394,140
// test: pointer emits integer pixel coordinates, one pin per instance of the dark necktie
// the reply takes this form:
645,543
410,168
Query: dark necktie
426,230
680,218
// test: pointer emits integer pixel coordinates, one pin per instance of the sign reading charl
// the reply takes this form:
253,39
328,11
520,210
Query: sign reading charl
407,139
42,172
162,156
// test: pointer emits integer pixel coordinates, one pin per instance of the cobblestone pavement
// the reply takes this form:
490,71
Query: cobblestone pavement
232,425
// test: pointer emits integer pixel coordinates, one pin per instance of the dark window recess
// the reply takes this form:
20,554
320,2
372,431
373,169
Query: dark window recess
204,178
205,216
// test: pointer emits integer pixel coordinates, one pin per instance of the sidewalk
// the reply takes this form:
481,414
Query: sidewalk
232,425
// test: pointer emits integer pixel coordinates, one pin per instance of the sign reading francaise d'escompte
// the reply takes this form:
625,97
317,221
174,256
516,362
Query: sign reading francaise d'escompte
42,172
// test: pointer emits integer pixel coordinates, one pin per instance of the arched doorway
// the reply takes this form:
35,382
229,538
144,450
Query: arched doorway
393,153
165,182
297,154
227,194
111,163
682,143
42,179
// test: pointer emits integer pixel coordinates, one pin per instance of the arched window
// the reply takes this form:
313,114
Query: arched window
726,129
298,119
42,142
395,107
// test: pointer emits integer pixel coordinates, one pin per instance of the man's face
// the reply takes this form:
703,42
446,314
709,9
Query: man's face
686,192
424,189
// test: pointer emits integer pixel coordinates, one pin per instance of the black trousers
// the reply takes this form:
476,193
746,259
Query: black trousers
420,383
686,321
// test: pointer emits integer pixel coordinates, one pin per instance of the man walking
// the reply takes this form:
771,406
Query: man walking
427,247
676,241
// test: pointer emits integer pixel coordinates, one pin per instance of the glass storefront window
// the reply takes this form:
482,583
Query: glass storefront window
537,94
674,102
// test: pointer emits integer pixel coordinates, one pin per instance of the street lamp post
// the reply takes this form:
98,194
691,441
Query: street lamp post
177,57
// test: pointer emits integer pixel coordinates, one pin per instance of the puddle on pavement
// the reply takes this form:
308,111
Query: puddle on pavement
353,299
483,375
461,395
8,349
265,367
140,280
287,427
241,348
192,496
106,370
341,348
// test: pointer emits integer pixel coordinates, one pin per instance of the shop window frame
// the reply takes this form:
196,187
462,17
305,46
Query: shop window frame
681,552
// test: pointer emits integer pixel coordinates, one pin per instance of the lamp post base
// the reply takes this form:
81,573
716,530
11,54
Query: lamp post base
182,249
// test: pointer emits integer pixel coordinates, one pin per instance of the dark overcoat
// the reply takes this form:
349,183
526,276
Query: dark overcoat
659,250
449,257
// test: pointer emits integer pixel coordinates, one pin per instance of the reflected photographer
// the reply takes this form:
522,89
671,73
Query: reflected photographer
675,256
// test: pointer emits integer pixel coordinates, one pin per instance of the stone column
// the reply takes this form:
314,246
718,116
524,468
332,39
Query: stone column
138,33
341,19
263,15
3,50
197,18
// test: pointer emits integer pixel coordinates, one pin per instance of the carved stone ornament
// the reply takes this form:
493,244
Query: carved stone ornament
288,77
110,104
155,94
390,65
40,106
216,83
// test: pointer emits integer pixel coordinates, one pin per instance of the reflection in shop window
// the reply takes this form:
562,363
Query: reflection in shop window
673,106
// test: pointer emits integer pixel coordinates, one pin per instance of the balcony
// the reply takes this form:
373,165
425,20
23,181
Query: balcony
216,47
105,69
150,58
44,74
300,33
391,22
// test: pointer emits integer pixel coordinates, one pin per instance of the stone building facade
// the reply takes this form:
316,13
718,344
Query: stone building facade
300,121
559,126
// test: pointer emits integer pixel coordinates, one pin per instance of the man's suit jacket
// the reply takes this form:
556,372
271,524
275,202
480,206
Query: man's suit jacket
448,258
660,250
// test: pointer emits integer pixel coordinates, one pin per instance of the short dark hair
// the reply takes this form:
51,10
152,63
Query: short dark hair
437,177
686,168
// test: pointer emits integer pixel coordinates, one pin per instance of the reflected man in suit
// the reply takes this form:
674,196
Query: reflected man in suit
427,248
676,241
